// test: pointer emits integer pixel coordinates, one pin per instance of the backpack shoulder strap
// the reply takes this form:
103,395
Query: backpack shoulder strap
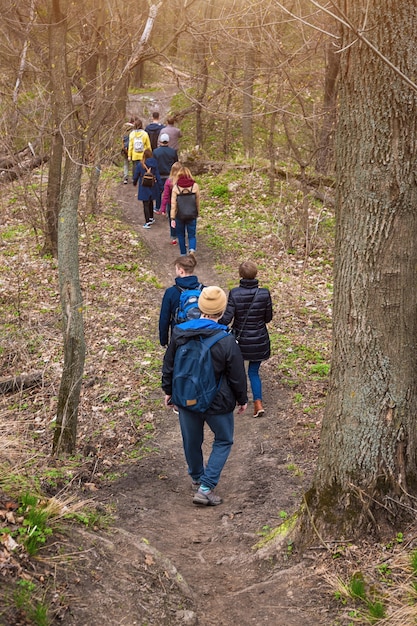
212,339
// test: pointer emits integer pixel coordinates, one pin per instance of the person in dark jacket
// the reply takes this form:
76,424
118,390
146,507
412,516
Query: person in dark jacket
250,308
147,194
153,129
229,368
185,279
166,157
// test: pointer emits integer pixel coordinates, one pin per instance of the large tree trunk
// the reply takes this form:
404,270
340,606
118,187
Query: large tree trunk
367,464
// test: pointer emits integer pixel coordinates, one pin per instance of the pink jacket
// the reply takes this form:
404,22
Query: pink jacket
166,195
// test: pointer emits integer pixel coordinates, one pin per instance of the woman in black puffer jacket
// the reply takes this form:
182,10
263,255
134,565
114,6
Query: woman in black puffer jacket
250,308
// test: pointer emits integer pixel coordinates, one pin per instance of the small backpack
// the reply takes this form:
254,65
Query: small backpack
125,149
194,383
186,205
138,142
188,305
148,179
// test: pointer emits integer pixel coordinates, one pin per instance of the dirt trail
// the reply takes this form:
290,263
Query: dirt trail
222,581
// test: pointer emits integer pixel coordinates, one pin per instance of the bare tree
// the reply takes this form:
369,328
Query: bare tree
75,140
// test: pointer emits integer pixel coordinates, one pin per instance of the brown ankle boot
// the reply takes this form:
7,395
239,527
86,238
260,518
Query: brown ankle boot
258,409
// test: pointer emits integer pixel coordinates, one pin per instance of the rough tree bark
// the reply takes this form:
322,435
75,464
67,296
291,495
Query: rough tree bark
367,467
68,265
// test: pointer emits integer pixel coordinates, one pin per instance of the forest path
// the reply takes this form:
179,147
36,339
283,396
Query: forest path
212,548
169,562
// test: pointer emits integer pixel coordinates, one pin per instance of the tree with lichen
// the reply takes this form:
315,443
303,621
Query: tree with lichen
367,468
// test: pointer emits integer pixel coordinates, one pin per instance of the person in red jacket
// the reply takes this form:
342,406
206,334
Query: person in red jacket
166,199
184,181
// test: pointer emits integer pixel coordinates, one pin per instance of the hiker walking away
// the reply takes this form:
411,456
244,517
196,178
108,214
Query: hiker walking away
230,390
138,143
250,308
185,280
127,128
173,133
185,190
166,157
153,129
166,199
147,174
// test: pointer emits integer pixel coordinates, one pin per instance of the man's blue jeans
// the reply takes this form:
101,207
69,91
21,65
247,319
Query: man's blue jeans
192,430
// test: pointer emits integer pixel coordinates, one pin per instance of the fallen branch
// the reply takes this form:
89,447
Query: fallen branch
17,383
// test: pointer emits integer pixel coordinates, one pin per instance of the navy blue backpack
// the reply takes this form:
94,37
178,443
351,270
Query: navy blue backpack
194,383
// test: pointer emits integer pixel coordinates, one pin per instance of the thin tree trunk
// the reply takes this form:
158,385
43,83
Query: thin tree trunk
52,195
326,142
68,266
247,121
92,190
72,311
229,77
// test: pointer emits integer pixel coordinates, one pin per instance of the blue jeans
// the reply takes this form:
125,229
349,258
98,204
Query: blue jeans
191,228
255,380
192,430
172,231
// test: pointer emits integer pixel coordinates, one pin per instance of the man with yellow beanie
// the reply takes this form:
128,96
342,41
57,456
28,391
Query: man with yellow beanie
229,370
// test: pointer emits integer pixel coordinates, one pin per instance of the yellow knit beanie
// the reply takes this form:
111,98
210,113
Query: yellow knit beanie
212,301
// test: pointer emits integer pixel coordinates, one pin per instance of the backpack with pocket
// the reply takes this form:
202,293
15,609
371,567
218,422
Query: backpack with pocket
125,148
186,205
138,142
194,383
188,304
148,179
153,137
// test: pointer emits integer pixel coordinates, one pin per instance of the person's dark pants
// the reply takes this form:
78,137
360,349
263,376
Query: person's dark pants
148,210
159,196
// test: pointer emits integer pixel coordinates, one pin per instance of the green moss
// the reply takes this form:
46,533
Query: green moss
282,530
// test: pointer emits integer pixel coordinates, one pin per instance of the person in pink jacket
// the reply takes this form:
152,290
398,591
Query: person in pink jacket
166,199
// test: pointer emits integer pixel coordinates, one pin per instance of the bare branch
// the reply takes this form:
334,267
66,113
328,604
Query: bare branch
343,19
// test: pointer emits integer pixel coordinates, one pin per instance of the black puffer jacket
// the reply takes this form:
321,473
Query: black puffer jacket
254,338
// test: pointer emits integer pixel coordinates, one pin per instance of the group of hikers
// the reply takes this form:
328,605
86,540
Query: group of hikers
207,335
165,185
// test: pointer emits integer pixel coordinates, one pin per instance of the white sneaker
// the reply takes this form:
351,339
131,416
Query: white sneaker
147,225
151,221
